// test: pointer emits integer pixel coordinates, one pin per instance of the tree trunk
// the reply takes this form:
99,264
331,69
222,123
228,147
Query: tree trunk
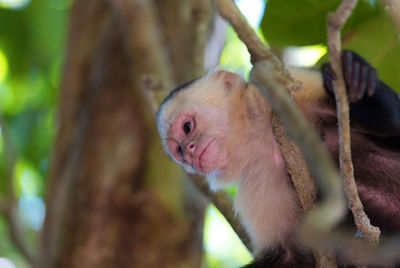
114,199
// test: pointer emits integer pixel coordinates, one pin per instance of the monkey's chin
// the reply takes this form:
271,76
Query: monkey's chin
215,184
213,178
218,181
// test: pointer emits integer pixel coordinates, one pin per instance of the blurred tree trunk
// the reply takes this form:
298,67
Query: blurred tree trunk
114,199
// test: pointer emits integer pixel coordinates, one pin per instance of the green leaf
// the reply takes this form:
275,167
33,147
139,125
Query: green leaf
33,35
303,23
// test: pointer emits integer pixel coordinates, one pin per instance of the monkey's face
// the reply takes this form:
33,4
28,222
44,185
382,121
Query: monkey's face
196,140
196,125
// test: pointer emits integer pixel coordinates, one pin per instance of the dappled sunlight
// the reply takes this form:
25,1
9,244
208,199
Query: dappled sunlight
29,187
253,10
32,211
303,56
3,66
14,4
6,263
221,242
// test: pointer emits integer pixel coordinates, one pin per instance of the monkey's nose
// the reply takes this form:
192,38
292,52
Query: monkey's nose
189,151
191,147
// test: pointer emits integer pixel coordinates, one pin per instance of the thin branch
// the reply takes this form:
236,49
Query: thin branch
328,213
335,23
297,168
257,49
303,183
9,206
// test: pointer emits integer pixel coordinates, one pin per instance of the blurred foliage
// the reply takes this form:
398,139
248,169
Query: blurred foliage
369,31
32,41
235,56
6,247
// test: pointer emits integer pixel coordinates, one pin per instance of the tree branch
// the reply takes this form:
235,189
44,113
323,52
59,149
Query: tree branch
272,80
257,49
327,214
9,206
335,23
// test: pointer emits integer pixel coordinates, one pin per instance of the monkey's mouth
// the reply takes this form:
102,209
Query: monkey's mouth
201,165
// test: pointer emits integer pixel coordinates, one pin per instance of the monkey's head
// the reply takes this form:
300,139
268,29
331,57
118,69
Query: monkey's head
198,125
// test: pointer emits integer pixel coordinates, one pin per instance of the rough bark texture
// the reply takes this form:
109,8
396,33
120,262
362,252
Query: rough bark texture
114,199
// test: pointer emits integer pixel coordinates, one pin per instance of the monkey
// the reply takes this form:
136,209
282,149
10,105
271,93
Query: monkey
219,126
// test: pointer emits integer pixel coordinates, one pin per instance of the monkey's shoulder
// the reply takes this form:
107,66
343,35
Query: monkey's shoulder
312,90
312,99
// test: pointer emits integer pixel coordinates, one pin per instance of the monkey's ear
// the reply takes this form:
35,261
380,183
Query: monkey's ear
229,79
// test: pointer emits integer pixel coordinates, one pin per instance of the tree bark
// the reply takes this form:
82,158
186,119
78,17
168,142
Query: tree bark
114,199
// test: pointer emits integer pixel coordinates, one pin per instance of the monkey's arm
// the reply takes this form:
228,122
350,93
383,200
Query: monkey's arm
373,104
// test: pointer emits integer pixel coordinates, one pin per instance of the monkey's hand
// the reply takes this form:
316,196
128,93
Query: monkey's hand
373,104
360,77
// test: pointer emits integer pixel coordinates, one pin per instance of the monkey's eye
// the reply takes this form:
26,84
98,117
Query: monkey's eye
187,127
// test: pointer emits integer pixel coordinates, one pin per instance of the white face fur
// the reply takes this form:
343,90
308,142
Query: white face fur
196,126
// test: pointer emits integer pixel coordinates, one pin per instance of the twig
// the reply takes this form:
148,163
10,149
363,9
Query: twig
297,168
257,49
327,214
335,23
9,205
358,252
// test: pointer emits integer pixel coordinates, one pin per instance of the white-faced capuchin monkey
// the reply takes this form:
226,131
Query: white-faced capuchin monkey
220,126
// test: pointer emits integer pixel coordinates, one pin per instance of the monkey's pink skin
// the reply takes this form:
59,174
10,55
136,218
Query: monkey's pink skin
210,158
204,156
